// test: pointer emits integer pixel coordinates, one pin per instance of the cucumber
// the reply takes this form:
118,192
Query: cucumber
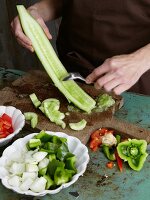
78,126
52,64
35,100
33,117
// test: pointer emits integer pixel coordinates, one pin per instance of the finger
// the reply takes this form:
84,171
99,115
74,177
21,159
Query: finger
19,33
97,73
44,27
121,88
112,84
103,80
29,47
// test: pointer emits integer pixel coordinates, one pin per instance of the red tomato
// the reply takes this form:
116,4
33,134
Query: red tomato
5,126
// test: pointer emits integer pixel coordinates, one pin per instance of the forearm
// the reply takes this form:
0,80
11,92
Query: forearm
48,9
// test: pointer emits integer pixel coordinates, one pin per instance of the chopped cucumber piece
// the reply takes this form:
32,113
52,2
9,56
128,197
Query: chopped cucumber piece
78,126
34,143
35,100
31,168
38,185
14,181
52,112
33,117
51,63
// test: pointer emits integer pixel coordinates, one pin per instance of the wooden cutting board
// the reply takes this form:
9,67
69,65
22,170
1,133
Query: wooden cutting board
39,83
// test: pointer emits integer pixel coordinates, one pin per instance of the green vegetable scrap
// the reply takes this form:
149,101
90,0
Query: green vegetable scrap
133,151
103,102
33,117
50,107
109,153
79,125
35,100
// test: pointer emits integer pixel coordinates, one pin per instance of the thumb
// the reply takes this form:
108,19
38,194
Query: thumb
45,28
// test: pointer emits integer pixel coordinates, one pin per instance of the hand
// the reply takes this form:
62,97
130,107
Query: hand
18,32
120,73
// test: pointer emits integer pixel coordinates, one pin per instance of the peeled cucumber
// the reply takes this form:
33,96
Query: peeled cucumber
51,63
78,126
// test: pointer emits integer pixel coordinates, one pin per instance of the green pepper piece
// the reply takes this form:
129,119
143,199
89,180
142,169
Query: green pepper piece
118,138
42,171
107,151
44,137
34,143
53,165
62,151
62,175
133,151
56,140
49,183
70,163
51,157
51,147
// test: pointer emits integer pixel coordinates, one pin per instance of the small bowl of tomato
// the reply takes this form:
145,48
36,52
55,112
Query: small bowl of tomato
11,123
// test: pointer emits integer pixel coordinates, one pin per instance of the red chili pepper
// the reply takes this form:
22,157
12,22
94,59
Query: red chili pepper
119,161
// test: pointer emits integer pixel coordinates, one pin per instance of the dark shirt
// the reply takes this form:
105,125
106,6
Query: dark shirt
94,30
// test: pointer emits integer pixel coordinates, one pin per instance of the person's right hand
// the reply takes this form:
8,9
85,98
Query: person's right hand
18,32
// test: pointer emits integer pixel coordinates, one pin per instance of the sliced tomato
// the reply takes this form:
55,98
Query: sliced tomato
95,142
5,126
6,118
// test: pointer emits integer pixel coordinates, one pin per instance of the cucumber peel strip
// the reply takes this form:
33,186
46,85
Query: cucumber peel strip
33,117
79,125
51,63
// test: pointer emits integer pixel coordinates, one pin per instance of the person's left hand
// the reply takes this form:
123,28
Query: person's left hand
120,73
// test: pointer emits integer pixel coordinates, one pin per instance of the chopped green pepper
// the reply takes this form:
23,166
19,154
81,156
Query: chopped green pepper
44,137
107,151
51,157
51,147
42,171
34,143
62,151
133,151
62,175
49,182
70,163
53,166
118,138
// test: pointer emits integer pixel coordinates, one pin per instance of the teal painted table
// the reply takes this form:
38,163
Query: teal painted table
94,185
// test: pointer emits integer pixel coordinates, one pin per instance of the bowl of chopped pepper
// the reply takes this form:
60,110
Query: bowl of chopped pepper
43,163
11,122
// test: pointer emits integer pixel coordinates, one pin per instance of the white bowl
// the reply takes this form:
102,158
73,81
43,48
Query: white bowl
18,122
74,145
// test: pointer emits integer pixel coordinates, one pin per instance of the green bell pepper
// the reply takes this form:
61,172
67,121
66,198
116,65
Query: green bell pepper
133,151
62,175
107,151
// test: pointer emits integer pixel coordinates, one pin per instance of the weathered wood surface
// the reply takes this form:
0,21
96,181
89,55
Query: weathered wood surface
39,82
